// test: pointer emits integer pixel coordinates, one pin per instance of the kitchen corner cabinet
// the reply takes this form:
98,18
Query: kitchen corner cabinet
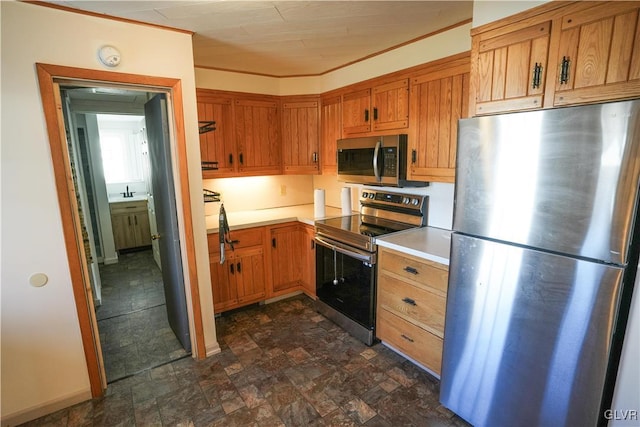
380,108
217,147
301,135
438,99
557,54
257,123
130,222
241,279
411,304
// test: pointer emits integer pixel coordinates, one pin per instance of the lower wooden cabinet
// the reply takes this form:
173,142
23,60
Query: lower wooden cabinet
241,280
292,258
411,303
130,223
309,263
265,262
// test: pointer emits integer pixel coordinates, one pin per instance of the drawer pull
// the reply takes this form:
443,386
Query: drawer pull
409,301
406,338
410,270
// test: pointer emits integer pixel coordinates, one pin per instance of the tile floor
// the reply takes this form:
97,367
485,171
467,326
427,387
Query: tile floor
281,364
132,320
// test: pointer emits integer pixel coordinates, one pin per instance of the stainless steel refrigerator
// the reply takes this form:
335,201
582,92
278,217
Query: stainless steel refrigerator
543,260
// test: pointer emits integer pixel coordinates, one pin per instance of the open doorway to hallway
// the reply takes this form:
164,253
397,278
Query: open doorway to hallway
129,292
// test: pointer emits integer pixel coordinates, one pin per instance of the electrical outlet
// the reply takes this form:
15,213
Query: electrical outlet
283,190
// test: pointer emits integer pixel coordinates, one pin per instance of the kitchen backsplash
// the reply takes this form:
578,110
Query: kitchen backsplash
264,192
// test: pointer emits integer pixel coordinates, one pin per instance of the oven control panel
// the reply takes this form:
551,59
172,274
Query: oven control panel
392,199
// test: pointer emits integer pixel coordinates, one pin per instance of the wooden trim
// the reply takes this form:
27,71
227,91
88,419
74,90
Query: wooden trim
105,16
525,103
183,169
68,208
69,215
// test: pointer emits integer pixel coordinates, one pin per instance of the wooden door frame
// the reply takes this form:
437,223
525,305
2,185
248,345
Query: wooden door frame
47,74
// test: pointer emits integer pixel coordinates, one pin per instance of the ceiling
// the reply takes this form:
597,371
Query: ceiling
288,38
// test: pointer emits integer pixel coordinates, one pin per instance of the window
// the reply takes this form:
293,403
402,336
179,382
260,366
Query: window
122,139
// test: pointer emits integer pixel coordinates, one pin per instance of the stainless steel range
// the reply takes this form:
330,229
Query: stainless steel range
346,257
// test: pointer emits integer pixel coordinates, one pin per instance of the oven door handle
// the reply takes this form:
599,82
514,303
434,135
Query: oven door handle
376,153
354,253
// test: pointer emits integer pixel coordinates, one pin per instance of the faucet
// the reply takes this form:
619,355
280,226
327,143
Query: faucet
128,193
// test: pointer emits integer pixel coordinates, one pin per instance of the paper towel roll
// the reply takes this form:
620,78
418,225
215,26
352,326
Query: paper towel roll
318,203
345,200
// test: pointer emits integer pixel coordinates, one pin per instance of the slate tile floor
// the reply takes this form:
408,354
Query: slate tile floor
132,320
281,364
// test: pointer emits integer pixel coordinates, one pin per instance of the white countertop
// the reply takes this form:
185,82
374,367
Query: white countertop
262,217
428,242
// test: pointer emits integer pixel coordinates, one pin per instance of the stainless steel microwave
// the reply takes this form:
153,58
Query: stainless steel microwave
375,160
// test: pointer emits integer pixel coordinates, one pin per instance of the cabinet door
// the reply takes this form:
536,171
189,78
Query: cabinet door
390,104
141,231
307,235
438,100
258,137
219,145
356,109
331,122
223,283
508,68
123,235
599,54
250,274
300,137
285,258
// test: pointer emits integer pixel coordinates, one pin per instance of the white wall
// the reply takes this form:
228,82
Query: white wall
485,11
43,363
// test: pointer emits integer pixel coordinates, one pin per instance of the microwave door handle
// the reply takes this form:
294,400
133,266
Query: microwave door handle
376,152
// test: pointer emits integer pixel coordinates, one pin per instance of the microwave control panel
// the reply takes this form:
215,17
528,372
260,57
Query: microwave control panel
390,161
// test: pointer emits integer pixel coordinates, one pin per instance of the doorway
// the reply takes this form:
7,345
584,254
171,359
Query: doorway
113,170
51,77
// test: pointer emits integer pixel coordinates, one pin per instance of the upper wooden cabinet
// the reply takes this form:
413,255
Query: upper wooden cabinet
558,54
508,68
217,147
331,131
301,135
439,98
257,123
246,140
598,54
380,108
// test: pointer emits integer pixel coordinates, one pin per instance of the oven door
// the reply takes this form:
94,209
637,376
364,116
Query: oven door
345,280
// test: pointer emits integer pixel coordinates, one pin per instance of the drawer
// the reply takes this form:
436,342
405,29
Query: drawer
417,305
418,271
245,238
422,346
128,207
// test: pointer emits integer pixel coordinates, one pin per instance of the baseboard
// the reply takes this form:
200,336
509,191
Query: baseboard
38,411
281,297
108,261
212,349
